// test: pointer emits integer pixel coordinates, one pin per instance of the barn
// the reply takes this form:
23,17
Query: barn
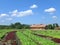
37,27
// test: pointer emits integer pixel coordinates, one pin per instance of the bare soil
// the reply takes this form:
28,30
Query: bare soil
57,40
10,39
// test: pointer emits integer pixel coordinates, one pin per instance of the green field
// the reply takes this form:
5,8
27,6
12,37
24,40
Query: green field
53,33
27,36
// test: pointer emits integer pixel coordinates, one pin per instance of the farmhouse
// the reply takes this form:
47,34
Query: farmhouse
37,27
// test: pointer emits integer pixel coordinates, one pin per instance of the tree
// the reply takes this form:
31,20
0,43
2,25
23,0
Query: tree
25,26
50,26
12,26
55,25
46,27
18,25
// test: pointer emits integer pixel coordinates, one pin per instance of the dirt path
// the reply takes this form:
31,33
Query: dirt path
11,39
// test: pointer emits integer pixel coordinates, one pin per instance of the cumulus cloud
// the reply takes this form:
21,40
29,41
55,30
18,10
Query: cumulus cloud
50,10
14,13
3,15
25,13
21,13
33,6
54,17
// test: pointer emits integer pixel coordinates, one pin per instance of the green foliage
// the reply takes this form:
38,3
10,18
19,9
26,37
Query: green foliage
51,26
27,35
52,33
25,26
16,25
25,40
55,25
28,38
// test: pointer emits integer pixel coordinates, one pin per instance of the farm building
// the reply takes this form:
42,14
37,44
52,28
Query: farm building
37,27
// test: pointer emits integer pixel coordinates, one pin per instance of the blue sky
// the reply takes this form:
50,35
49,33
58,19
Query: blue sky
29,11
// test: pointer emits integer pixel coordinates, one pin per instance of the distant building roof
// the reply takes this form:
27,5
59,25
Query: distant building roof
38,25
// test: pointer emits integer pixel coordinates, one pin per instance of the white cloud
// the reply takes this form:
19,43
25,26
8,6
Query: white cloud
3,15
25,13
21,13
54,17
14,13
50,10
33,6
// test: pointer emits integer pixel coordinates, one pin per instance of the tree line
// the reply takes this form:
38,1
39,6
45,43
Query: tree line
16,25
52,26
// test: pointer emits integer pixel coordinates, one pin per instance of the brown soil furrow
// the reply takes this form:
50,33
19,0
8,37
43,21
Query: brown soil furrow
57,40
10,39
10,36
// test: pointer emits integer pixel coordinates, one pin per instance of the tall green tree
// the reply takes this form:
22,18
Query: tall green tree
12,26
25,26
50,26
55,25
18,25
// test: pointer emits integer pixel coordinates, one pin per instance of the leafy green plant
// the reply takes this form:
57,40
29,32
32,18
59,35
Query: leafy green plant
38,39
52,33
25,40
